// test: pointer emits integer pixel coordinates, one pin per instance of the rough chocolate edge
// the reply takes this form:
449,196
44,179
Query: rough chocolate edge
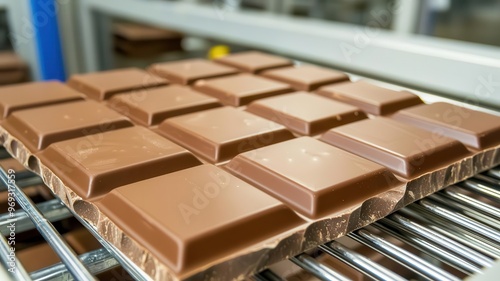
257,257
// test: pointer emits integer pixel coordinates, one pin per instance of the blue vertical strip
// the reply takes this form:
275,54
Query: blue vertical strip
48,43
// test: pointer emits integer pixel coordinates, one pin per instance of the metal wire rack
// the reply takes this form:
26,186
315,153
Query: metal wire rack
458,227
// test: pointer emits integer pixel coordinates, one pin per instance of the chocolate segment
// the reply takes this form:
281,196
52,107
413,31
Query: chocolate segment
151,106
102,85
29,95
187,71
473,128
62,122
93,165
12,68
304,113
253,61
238,90
307,77
406,150
192,217
312,177
222,133
370,98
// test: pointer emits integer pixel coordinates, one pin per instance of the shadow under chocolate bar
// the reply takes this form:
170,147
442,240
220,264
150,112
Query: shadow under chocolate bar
262,194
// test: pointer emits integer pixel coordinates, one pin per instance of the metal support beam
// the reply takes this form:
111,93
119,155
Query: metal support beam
464,71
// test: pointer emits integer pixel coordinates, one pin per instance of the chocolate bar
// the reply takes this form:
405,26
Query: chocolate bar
304,113
29,95
102,85
238,90
219,134
306,77
272,196
253,61
93,165
370,98
12,68
406,150
194,216
62,122
473,128
188,71
152,106
311,176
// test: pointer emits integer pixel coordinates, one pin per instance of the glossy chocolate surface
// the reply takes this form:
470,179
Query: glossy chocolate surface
238,90
62,122
188,71
306,77
152,106
220,134
408,151
369,97
312,177
253,61
29,95
196,215
95,164
305,113
102,85
473,128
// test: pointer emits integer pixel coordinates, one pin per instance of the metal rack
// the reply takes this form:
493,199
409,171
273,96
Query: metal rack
455,226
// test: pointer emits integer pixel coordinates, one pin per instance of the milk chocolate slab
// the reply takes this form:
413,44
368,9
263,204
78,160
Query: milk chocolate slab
29,95
238,90
312,177
37,128
152,106
13,76
102,85
195,216
11,61
187,71
370,98
221,133
253,61
473,128
93,165
139,32
304,113
306,77
406,150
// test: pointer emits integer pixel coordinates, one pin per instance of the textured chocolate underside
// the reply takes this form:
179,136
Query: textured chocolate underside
259,256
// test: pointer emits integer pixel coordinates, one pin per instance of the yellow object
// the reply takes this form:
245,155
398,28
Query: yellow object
218,51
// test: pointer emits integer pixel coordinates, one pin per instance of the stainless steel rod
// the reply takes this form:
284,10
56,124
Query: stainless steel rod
481,188
25,182
495,172
401,256
454,193
439,253
462,220
17,271
495,182
267,275
97,261
317,269
52,210
126,263
47,230
465,210
442,240
359,262
453,231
